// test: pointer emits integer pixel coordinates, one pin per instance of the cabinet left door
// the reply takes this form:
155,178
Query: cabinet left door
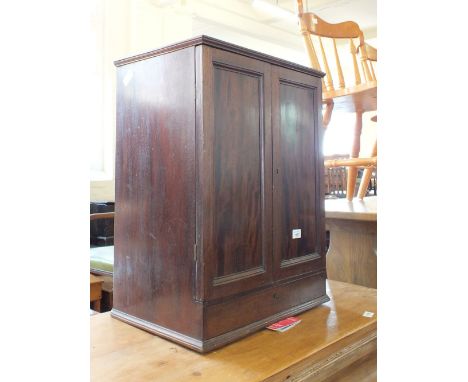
235,173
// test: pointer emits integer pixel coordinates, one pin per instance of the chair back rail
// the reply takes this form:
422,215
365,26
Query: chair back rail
314,29
101,215
340,93
352,162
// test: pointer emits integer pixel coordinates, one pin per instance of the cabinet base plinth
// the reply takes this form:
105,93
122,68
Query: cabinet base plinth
204,346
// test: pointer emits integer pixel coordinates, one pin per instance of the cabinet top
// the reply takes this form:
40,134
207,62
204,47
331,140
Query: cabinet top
219,44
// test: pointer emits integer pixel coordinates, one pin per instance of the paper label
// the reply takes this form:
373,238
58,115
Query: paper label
368,314
296,233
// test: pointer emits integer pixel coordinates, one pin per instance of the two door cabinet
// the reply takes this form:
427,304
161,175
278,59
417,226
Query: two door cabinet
219,226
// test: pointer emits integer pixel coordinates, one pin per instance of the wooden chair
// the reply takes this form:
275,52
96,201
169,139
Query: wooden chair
335,178
358,98
102,215
101,231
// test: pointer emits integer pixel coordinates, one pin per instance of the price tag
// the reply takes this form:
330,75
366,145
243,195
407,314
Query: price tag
296,233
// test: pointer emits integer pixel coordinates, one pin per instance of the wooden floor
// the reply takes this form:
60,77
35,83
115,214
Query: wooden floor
334,342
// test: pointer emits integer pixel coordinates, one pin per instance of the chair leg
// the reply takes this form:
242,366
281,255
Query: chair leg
352,171
366,176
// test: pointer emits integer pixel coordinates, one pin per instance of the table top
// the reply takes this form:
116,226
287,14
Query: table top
356,209
95,279
120,352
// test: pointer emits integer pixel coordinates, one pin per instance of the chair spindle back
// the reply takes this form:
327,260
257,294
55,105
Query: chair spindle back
314,29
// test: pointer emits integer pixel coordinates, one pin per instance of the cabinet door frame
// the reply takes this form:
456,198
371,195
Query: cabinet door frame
315,260
209,286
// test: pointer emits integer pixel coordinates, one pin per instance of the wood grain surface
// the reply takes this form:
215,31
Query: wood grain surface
297,196
352,256
238,157
155,183
334,342
365,209
194,193
95,291
235,174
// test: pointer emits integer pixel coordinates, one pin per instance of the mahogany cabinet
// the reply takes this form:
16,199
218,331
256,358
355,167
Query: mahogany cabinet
219,226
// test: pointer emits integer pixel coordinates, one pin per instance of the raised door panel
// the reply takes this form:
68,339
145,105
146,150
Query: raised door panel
235,173
298,231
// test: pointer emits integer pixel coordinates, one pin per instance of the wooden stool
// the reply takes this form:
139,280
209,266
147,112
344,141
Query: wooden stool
95,288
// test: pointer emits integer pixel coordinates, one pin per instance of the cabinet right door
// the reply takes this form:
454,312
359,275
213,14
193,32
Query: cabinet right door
298,201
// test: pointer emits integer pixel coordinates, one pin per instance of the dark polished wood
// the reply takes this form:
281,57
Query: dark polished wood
298,200
155,178
102,223
237,159
227,47
202,251
238,148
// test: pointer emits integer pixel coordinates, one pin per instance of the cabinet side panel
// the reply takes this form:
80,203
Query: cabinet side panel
155,192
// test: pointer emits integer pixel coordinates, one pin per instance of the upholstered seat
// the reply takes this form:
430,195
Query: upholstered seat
102,260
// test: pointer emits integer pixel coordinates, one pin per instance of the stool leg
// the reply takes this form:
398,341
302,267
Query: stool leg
352,171
97,306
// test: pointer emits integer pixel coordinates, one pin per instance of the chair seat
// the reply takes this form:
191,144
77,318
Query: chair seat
360,97
102,260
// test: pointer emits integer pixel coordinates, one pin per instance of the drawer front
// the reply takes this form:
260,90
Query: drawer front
258,308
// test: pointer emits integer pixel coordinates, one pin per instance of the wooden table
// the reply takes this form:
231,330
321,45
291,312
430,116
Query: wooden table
352,256
334,342
95,288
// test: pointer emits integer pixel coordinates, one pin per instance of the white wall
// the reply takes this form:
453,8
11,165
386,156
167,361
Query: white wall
124,27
